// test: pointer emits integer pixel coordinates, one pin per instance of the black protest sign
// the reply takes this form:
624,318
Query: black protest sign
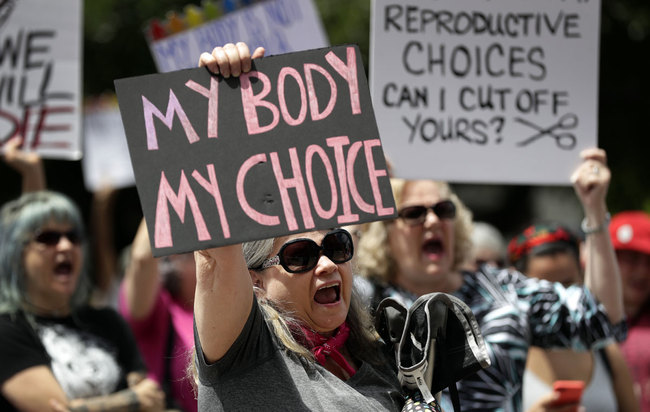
289,147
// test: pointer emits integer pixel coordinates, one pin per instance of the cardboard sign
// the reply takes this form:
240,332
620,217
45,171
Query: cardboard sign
106,161
280,26
494,91
40,76
289,147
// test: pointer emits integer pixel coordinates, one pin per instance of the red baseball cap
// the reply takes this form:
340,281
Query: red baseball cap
631,231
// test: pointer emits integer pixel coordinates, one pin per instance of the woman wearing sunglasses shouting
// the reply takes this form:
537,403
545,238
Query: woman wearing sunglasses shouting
278,324
55,350
424,249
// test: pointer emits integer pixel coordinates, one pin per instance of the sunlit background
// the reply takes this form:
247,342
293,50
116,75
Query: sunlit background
115,47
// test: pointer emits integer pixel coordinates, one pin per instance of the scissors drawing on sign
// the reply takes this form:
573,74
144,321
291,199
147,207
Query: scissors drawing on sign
564,140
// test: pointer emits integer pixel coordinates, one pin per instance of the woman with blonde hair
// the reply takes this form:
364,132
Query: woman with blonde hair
423,251
377,262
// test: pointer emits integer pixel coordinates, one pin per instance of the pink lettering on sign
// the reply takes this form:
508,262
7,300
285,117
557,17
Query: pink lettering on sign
337,143
298,183
374,174
352,183
309,155
261,218
173,107
311,91
349,72
289,71
163,231
251,101
213,188
213,103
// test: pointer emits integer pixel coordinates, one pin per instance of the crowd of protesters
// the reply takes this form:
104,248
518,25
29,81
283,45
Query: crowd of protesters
287,323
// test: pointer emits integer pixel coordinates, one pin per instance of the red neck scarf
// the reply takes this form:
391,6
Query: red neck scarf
322,346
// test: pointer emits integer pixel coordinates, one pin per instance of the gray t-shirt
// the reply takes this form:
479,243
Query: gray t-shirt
255,374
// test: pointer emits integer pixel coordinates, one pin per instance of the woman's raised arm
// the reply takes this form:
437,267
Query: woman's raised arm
591,181
223,298
224,291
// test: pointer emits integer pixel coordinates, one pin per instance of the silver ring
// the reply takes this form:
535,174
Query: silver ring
595,170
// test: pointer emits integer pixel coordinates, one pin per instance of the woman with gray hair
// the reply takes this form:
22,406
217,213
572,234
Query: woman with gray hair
278,324
55,350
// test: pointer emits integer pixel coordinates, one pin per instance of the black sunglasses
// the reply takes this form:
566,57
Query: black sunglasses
301,255
53,237
415,215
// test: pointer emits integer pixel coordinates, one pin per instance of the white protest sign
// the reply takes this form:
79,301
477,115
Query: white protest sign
280,26
106,161
492,91
40,76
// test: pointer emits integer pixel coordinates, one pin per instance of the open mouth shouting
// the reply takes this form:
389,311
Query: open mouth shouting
433,248
328,294
63,270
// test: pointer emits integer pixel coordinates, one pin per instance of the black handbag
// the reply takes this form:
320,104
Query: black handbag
437,342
